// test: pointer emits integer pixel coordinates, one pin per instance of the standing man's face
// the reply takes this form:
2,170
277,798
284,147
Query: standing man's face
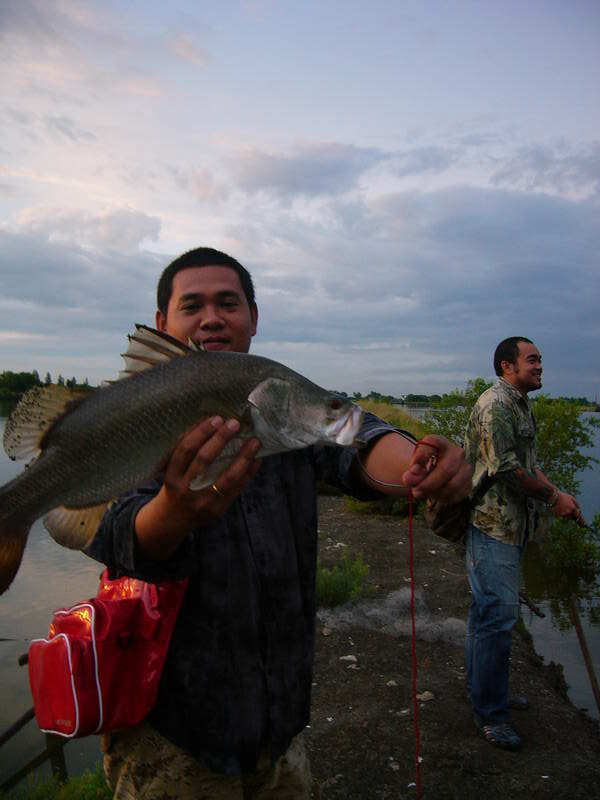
526,373
208,305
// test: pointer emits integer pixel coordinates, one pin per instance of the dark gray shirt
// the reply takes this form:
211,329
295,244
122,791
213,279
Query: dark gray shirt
238,674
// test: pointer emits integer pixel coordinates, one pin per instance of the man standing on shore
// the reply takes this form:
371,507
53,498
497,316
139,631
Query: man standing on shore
500,444
234,695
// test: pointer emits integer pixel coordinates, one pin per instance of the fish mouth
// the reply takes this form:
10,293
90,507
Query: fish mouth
345,429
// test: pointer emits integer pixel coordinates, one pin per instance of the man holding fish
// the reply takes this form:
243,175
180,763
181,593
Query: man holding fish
234,509
235,692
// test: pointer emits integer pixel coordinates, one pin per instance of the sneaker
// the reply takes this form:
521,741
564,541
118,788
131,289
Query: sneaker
500,734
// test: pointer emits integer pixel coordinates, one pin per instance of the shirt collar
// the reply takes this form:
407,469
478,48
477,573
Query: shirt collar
512,391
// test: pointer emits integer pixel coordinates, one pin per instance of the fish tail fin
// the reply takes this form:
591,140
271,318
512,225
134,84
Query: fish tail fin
13,538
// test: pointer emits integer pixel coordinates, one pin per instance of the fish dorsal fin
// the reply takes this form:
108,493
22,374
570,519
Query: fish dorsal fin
148,347
37,410
74,527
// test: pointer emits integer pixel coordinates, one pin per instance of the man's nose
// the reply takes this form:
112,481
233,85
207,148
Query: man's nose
211,318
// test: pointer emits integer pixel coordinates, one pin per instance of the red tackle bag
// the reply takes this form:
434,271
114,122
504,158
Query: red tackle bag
99,668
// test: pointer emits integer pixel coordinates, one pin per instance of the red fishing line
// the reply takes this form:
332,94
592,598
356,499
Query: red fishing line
414,644
430,465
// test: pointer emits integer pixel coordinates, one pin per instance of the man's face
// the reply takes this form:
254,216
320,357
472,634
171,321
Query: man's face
208,305
526,373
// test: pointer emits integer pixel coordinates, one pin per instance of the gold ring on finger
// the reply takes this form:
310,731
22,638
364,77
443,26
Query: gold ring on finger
216,490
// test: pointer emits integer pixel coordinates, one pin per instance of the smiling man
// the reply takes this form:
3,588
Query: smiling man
234,695
500,444
207,304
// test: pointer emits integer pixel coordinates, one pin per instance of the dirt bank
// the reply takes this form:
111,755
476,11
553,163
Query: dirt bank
362,739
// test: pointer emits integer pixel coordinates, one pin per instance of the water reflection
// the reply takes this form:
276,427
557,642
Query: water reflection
555,586
568,594
50,577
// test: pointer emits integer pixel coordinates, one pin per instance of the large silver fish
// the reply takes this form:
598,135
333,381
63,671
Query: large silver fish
89,451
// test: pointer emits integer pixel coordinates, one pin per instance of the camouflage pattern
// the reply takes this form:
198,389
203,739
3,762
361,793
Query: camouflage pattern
140,763
500,437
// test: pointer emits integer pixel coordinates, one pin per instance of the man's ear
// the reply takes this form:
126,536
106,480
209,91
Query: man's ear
506,367
161,321
254,315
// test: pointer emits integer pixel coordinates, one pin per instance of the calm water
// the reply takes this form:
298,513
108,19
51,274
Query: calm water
51,577
563,647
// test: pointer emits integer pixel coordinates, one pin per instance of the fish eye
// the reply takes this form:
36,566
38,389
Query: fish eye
336,403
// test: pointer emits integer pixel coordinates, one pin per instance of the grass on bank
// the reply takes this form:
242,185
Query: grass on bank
89,786
394,416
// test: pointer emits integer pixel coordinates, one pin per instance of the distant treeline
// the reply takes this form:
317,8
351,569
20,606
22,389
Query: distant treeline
444,400
404,400
14,384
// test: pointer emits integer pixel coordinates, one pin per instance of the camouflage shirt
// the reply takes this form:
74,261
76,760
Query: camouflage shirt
500,437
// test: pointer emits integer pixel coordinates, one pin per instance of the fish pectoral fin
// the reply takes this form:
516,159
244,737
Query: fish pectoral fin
74,527
34,415
147,348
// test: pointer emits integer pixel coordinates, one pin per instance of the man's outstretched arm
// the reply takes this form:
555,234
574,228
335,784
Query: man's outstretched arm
436,468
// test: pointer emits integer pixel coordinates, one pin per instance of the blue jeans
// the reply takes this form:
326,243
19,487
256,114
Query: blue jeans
493,568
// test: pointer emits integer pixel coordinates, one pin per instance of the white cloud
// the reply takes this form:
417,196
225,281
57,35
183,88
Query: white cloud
185,48
402,208
564,168
63,126
309,169
421,160
120,230
202,184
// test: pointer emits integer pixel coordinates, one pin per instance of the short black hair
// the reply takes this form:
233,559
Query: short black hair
508,350
200,257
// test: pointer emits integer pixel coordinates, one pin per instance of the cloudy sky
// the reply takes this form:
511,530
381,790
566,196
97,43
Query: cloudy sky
408,182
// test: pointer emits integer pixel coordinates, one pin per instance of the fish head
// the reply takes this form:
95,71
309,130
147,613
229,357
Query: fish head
291,412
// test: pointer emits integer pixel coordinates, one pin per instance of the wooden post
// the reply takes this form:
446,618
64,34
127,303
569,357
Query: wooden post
56,756
574,613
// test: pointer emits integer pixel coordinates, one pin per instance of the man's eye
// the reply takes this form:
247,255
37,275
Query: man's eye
190,307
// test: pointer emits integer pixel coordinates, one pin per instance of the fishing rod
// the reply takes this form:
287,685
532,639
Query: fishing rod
579,520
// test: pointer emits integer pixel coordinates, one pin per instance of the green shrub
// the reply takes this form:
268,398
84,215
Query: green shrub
392,506
89,786
562,434
342,582
449,416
